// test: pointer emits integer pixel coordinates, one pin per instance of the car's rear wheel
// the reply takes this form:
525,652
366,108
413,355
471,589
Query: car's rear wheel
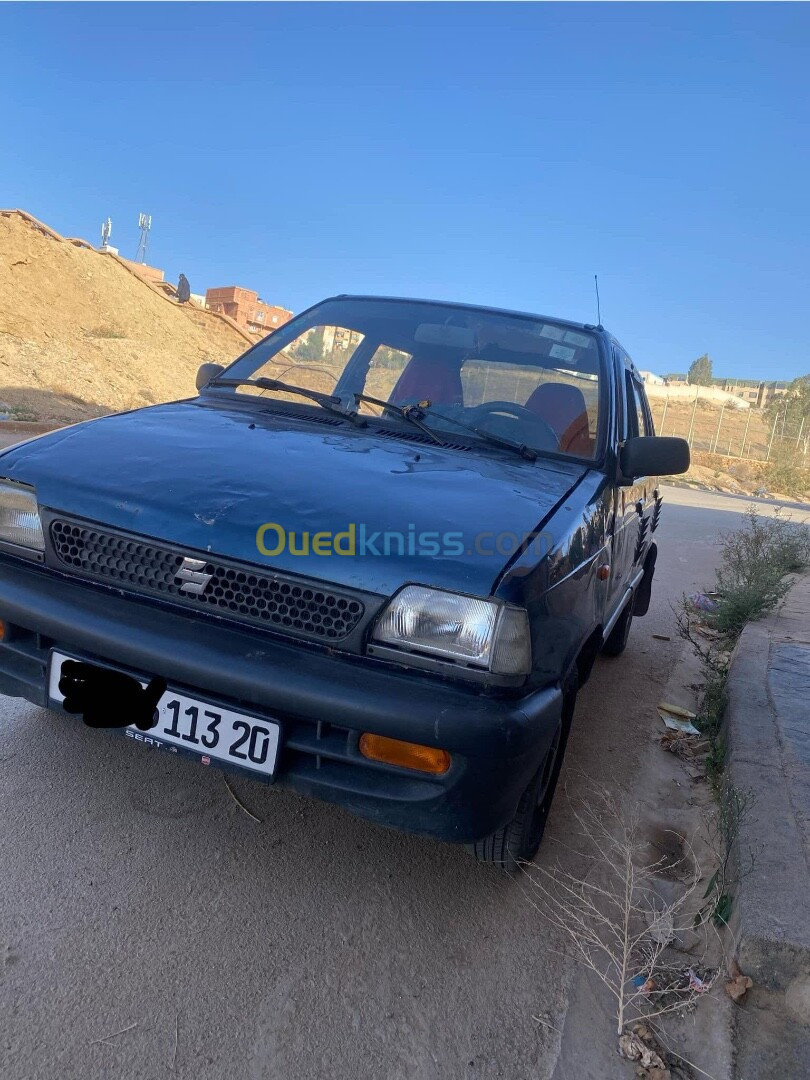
616,641
520,838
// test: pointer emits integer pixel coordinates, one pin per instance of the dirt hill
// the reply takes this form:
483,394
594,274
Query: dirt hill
81,334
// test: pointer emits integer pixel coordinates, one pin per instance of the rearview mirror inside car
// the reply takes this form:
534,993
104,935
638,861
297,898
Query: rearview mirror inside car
207,372
453,337
654,455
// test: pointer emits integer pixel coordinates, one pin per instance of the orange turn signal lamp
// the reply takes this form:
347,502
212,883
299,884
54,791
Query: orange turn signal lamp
2,629
408,755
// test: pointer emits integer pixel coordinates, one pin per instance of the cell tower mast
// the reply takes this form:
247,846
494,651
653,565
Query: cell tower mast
144,224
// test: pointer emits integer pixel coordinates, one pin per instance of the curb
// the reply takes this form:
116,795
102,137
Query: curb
771,918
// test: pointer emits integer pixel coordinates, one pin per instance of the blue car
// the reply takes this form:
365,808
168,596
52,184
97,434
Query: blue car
372,560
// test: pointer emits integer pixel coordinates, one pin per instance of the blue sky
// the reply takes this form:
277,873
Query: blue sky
499,154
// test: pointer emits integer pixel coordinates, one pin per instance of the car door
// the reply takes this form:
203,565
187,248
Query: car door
633,503
641,495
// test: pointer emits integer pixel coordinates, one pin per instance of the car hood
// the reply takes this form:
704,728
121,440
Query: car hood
206,477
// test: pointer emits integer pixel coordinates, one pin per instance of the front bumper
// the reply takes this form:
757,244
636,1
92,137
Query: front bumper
323,701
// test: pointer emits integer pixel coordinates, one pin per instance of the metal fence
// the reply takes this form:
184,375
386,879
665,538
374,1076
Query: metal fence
727,430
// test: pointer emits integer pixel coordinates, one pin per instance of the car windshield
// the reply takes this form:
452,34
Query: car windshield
533,381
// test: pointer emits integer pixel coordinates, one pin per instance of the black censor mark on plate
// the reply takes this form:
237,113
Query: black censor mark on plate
108,699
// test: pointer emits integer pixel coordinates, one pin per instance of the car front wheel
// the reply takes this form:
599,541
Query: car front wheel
520,838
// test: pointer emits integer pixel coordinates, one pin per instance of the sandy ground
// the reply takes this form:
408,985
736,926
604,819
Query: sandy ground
80,335
137,895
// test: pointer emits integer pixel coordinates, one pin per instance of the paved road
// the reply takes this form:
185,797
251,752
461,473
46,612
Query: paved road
136,897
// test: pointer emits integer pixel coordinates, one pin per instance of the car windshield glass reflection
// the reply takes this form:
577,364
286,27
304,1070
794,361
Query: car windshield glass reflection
531,382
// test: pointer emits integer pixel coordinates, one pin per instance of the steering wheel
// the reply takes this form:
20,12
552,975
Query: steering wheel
480,413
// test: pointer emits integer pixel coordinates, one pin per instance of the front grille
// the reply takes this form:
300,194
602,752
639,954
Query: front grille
276,601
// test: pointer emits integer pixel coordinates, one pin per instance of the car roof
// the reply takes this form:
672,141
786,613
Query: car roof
471,307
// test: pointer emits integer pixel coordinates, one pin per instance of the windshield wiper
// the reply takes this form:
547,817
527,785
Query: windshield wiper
412,413
527,452
415,414
329,402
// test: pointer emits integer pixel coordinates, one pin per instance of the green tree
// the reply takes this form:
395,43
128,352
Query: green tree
386,357
700,371
791,412
795,404
310,347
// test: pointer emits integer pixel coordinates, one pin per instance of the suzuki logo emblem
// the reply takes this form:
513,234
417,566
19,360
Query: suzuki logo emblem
192,578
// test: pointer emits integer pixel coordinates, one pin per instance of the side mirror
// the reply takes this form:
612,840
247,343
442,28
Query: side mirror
208,372
654,455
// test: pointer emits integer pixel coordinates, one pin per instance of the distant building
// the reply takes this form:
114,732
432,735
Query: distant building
651,379
754,392
246,309
771,390
758,394
746,389
336,338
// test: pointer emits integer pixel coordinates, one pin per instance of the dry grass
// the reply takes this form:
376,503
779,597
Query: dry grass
621,919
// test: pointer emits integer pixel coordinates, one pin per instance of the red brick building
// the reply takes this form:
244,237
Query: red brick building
245,308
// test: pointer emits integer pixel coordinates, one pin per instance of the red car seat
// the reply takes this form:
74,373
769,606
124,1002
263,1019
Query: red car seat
436,379
563,408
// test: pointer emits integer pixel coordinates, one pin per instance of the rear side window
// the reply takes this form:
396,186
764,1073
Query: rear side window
484,382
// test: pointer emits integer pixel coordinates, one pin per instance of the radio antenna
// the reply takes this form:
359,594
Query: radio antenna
144,224
598,306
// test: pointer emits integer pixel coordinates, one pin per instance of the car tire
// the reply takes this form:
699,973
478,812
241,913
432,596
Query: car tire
616,641
519,840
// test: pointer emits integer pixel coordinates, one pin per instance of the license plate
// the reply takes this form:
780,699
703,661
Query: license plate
209,731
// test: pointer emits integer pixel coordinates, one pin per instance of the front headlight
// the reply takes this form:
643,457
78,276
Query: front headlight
484,633
19,516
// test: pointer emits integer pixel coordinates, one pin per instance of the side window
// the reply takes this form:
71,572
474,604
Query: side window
384,370
638,419
314,360
483,381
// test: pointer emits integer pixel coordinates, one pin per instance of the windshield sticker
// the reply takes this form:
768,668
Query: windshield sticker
560,352
576,339
554,332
